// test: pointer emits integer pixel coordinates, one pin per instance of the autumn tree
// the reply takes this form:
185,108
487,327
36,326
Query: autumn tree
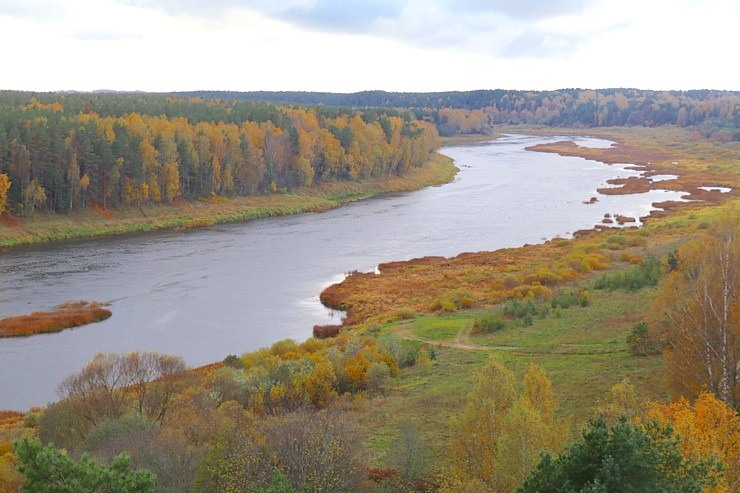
313,451
409,455
697,311
708,428
97,392
112,384
4,186
153,379
502,431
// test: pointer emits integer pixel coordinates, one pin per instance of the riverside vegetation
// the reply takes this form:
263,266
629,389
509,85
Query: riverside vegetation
449,374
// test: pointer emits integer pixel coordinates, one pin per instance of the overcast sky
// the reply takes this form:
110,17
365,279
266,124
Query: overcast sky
355,45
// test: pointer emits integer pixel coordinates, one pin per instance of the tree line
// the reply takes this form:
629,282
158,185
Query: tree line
64,152
718,112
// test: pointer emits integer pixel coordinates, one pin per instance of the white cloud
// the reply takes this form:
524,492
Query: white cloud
416,45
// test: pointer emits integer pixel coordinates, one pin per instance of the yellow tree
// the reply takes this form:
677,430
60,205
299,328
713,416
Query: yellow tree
708,428
170,181
529,428
4,187
474,450
149,160
697,311
498,439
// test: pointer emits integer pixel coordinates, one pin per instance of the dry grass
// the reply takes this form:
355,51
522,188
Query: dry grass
73,314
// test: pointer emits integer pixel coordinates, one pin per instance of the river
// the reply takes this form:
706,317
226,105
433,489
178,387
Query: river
207,293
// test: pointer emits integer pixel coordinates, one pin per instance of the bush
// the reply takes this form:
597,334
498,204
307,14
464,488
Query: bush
377,378
520,309
488,323
641,342
404,313
233,361
453,301
565,299
585,298
617,239
647,273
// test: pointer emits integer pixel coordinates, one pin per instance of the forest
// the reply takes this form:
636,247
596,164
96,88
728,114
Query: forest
65,152
718,112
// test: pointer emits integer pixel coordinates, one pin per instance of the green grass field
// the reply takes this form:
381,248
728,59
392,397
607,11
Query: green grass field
583,351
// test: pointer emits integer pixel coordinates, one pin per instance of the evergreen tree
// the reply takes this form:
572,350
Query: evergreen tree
49,470
625,458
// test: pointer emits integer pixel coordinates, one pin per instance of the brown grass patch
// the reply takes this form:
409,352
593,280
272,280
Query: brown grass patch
7,221
433,284
9,419
67,315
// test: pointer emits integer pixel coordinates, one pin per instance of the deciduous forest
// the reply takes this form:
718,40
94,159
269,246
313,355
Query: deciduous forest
65,152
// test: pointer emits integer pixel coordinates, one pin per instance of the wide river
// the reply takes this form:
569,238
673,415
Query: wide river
207,293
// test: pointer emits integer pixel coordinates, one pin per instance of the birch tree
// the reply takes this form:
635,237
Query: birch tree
697,311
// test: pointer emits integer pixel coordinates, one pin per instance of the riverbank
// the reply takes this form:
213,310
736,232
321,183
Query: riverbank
44,228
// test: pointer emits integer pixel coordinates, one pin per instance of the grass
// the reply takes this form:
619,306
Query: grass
583,351
68,315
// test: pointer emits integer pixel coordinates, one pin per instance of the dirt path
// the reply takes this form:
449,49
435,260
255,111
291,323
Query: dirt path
462,338
460,342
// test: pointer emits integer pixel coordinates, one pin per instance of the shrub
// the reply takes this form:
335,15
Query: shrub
630,257
424,360
585,298
488,323
511,281
647,273
520,309
454,300
635,240
404,313
641,342
565,299
378,375
233,361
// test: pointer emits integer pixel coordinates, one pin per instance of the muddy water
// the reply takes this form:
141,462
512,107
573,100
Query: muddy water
207,293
